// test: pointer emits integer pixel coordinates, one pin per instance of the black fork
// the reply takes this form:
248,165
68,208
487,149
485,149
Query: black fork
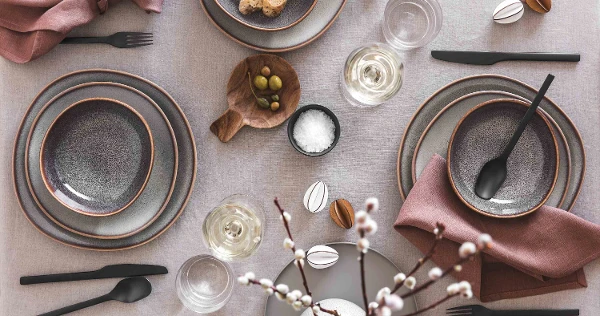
120,40
478,310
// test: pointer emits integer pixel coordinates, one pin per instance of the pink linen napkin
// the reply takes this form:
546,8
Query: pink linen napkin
31,28
539,253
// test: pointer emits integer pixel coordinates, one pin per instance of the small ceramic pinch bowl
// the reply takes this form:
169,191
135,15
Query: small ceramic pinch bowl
97,156
481,136
294,118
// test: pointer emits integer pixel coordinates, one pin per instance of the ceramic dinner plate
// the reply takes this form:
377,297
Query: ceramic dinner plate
97,156
312,27
186,168
152,200
532,167
434,104
436,137
341,280
294,12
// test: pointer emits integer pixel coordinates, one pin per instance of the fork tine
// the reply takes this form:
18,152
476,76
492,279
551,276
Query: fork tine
133,33
137,45
461,307
460,312
138,36
138,42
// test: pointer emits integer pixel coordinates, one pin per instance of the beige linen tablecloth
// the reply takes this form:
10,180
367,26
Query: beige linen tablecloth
192,61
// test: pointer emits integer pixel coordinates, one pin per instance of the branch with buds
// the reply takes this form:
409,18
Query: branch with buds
386,300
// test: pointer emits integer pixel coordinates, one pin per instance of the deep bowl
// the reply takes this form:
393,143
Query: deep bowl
294,118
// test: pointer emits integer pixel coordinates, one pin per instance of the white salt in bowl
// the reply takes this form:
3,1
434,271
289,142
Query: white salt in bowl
294,118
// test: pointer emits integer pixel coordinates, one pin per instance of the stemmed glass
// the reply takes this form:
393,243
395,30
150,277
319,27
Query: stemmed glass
374,73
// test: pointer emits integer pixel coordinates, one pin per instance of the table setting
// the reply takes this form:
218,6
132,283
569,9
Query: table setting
281,157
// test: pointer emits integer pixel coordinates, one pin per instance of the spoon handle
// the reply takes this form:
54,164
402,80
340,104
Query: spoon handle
78,306
528,115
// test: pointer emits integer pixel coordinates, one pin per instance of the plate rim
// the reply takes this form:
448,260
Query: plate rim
274,50
28,175
342,243
556,154
506,94
265,29
184,120
424,103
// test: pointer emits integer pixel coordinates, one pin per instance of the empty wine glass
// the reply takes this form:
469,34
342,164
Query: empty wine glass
409,24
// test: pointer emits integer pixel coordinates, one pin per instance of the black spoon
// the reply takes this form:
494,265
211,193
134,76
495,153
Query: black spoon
492,175
127,291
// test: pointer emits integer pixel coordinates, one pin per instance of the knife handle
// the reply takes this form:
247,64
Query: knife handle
61,277
542,57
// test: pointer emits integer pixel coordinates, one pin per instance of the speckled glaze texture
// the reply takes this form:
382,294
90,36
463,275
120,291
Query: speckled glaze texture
454,90
294,12
532,166
97,156
153,199
340,280
436,137
186,169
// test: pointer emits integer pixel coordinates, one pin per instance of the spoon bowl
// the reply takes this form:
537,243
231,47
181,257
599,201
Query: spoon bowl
131,290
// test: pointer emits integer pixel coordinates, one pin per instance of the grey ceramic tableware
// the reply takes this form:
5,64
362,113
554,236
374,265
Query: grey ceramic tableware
301,34
532,168
436,137
96,156
152,200
429,109
294,12
186,170
341,280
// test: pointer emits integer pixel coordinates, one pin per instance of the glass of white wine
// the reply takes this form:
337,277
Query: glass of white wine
234,229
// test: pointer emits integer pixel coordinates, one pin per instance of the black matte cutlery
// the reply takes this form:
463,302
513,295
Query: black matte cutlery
478,310
111,271
126,291
490,58
120,40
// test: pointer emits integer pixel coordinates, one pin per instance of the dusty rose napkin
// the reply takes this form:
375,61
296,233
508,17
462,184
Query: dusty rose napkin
31,28
539,253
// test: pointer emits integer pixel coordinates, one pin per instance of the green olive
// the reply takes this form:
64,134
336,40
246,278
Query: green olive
261,83
275,83
274,106
275,98
265,71
263,103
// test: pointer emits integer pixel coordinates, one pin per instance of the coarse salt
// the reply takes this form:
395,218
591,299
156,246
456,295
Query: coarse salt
314,131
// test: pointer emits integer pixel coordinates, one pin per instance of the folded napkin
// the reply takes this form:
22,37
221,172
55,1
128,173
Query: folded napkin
31,28
539,253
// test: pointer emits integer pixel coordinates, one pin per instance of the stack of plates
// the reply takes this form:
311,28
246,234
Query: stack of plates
103,160
432,126
299,24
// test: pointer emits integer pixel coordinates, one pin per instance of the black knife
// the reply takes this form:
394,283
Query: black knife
111,271
490,58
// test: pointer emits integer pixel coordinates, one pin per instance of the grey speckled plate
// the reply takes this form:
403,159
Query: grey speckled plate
341,280
431,107
152,201
303,33
186,171
436,137
294,12
481,136
97,156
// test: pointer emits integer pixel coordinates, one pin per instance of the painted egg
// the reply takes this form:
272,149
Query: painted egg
509,11
322,257
315,198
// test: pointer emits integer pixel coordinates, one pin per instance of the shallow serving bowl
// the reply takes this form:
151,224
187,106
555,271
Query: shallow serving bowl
292,123
97,156
481,136
294,12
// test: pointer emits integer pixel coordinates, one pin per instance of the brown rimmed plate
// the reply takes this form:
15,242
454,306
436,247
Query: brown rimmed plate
96,156
429,109
481,136
294,12
436,137
152,200
300,35
186,168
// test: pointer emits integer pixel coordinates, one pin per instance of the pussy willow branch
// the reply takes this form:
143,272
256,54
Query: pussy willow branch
363,282
335,313
304,282
427,256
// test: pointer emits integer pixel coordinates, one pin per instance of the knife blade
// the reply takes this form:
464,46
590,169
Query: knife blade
490,58
110,271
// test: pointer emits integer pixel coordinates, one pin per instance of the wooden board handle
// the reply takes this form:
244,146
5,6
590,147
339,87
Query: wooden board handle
226,126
